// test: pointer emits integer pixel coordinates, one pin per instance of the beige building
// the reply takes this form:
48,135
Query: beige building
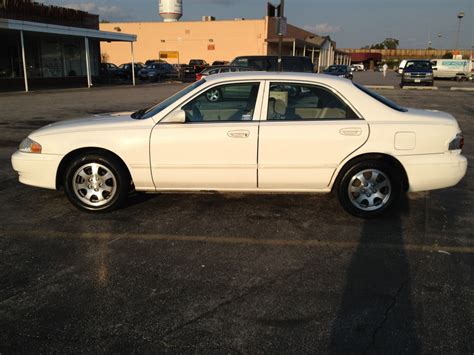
217,40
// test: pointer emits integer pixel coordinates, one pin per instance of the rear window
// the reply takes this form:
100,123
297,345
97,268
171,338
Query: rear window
381,98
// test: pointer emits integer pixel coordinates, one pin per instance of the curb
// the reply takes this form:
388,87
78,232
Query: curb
386,87
420,88
456,88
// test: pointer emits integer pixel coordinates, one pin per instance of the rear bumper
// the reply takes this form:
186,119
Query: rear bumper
431,172
36,169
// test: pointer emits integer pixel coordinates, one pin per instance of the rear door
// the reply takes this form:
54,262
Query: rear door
306,132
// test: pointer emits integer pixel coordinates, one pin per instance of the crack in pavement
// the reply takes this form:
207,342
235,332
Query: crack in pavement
251,290
385,318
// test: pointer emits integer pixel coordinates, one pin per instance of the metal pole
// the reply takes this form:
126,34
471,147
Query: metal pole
304,50
312,56
294,47
280,36
133,65
88,68
25,75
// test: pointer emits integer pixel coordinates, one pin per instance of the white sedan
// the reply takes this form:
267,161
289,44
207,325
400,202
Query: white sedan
251,132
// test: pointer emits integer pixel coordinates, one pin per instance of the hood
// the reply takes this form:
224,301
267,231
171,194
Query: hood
92,123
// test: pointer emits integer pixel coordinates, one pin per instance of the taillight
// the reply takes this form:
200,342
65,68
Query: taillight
198,76
457,143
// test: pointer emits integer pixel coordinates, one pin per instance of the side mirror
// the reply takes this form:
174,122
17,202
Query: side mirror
177,116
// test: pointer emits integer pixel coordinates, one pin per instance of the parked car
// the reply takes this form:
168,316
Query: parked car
194,66
270,63
151,61
335,135
358,67
220,69
157,71
417,72
460,69
124,71
342,71
108,69
220,62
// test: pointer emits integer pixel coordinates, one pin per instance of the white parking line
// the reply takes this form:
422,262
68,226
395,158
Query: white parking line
384,87
420,88
454,88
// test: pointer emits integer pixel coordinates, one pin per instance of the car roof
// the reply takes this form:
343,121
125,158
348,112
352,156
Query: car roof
262,75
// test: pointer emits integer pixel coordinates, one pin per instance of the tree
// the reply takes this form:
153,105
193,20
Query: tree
391,43
388,43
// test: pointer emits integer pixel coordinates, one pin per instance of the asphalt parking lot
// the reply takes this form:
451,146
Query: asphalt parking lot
225,273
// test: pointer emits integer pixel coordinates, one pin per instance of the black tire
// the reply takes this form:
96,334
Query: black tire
103,190
374,200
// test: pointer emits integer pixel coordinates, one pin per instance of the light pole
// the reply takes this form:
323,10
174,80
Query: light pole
460,16
440,35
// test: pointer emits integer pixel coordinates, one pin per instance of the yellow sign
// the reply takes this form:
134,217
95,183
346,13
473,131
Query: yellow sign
169,55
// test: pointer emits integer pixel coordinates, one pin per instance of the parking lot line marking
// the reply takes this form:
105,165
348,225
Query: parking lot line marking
454,88
242,240
387,87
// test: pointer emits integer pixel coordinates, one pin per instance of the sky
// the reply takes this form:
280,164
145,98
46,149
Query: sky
351,23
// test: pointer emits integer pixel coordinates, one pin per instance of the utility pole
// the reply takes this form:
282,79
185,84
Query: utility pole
281,31
460,16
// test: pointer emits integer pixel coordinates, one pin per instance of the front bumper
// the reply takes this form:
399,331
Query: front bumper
36,169
417,80
436,171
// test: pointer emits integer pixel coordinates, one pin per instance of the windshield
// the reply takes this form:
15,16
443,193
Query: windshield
164,104
419,65
381,98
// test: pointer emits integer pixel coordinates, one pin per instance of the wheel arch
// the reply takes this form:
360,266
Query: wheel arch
81,151
372,156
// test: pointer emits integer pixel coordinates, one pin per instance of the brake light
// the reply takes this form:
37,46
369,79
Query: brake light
198,76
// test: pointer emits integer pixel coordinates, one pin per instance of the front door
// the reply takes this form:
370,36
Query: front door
217,146
308,131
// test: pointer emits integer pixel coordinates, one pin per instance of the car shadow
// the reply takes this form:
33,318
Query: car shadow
376,314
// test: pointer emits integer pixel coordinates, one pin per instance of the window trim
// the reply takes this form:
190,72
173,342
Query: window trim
309,83
258,103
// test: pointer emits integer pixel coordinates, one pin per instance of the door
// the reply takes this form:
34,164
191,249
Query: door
308,131
216,148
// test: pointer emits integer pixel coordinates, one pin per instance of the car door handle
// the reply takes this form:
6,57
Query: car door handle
351,131
238,134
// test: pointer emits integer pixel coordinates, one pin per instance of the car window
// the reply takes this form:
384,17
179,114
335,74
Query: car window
170,100
229,102
381,98
225,70
213,71
292,102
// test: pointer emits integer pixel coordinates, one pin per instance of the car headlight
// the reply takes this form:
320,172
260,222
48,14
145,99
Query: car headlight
429,74
406,74
457,143
28,145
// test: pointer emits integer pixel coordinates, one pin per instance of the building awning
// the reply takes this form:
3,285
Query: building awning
38,27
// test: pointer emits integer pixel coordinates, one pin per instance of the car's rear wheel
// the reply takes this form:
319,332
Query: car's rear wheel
96,183
369,189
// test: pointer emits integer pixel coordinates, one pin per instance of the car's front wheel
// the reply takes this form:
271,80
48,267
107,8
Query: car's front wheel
96,183
369,189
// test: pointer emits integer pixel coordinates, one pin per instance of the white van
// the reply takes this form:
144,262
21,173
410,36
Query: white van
452,68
